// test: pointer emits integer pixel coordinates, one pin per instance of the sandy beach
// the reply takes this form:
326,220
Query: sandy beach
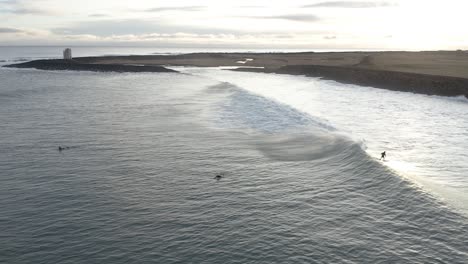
442,73
442,63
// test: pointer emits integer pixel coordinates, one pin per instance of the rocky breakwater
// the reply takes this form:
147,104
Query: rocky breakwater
390,80
71,65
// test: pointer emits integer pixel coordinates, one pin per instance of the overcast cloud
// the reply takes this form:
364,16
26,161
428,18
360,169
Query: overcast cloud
351,4
175,8
413,24
10,30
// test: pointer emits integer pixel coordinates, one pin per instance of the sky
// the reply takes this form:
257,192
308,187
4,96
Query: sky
321,24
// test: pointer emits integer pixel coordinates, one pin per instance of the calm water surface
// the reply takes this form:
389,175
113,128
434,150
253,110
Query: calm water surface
302,183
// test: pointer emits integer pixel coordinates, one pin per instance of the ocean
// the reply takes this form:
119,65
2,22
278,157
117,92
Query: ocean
302,180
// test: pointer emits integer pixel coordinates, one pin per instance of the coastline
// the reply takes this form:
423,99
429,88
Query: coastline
72,65
443,73
395,81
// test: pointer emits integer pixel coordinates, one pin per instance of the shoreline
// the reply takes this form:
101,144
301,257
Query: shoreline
395,81
72,65
443,73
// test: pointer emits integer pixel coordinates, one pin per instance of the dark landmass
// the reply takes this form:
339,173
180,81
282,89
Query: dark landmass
443,73
72,65
396,81
441,63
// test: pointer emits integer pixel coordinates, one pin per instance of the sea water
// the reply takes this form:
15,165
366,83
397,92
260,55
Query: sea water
425,137
302,181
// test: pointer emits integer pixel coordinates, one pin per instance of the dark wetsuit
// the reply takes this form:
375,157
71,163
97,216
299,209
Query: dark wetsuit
383,155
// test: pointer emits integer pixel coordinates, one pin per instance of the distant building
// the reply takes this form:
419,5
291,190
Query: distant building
67,54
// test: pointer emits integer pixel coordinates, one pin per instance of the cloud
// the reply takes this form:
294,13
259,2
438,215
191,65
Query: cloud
30,11
175,8
21,8
293,17
175,39
108,28
351,4
329,37
8,2
251,6
98,15
6,6
23,32
10,30
189,39
113,27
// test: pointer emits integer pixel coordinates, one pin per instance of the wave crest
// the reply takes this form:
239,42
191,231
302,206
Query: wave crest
306,147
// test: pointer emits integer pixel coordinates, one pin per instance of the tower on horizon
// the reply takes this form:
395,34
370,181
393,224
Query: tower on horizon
67,54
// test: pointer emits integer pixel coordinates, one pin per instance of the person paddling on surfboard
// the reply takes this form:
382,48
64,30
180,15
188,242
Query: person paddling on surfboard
219,176
383,155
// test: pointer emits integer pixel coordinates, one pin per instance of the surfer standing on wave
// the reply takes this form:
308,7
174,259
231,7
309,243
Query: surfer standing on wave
383,155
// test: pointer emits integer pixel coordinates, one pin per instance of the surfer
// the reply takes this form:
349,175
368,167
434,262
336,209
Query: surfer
383,155
60,148
218,177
